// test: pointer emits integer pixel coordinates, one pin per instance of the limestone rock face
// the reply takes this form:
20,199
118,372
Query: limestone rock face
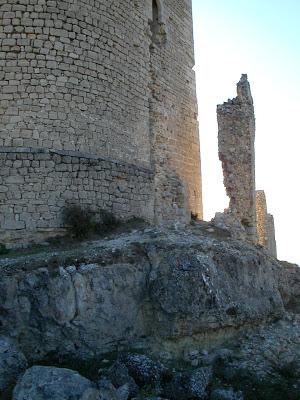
48,383
152,289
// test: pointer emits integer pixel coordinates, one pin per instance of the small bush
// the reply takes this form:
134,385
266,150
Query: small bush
3,249
194,216
107,222
82,223
79,221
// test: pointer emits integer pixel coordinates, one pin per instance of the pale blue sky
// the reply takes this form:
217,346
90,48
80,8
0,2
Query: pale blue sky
260,38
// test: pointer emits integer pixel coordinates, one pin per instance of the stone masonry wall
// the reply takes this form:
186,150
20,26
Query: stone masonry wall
265,224
110,79
74,76
35,185
236,151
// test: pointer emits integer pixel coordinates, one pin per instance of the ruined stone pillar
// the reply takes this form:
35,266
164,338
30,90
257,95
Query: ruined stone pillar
265,224
272,246
261,216
236,151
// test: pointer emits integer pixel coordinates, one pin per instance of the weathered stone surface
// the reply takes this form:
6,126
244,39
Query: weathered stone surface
265,364
236,151
12,363
152,289
228,221
49,383
289,286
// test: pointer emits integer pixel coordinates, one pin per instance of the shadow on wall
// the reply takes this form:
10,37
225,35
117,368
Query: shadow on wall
171,198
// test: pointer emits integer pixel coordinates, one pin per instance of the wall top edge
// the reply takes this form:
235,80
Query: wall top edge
70,153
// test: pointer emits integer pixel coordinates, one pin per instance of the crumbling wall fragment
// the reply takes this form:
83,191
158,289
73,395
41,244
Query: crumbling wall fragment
272,246
236,122
265,224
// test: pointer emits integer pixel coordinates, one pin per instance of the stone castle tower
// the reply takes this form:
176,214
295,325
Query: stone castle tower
98,108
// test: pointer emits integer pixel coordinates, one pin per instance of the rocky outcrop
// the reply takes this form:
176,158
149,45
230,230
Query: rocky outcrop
12,364
177,295
261,365
153,290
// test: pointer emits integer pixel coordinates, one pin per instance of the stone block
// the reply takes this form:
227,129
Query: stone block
15,179
11,224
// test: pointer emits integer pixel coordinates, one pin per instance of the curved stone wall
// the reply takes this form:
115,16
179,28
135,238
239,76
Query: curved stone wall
35,186
108,79
74,76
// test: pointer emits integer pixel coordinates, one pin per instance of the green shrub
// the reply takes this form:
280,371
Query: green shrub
82,222
107,222
78,221
194,216
3,249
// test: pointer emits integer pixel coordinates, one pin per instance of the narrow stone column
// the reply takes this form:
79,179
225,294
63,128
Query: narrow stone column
265,224
272,246
261,217
236,121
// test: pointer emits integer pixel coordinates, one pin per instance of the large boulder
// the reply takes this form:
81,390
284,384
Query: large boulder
49,383
12,363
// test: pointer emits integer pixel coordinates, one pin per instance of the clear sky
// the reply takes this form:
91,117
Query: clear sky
260,38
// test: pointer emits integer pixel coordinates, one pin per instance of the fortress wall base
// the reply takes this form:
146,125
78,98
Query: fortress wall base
36,184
